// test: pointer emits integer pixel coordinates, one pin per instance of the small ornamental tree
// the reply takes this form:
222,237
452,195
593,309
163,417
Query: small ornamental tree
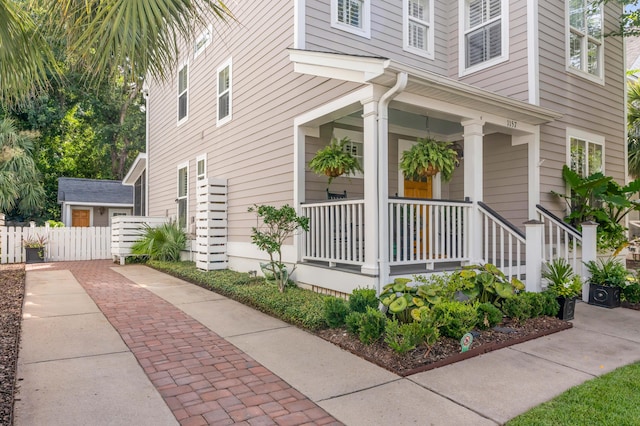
278,224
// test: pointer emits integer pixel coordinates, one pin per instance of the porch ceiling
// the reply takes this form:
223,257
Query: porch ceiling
381,71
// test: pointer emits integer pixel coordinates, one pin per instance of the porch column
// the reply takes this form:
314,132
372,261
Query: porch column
535,230
473,181
370,163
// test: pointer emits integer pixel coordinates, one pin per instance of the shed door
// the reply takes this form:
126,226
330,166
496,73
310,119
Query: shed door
80,217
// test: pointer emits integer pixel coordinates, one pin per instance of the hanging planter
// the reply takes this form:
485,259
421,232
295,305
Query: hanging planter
334,160
427,158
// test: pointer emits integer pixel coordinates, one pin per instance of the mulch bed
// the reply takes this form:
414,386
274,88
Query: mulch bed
446,350
12,279
634,306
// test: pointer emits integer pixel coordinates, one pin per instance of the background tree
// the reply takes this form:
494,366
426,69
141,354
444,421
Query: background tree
20,189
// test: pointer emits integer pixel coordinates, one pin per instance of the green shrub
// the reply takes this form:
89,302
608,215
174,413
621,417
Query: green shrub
372,325
297,306
164,242
517,308
536,302
405,337
631,293
486,283
352,321
335,311
361,298
551,305
454,319
488,316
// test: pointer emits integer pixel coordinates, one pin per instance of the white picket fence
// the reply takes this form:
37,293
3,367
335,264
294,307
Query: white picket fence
63,244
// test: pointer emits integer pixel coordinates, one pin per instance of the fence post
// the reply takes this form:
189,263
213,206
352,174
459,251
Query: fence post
534,230
589,253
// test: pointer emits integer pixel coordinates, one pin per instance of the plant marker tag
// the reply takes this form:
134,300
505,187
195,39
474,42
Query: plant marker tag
466,342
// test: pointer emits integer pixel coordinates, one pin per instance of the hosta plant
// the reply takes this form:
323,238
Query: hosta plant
487,283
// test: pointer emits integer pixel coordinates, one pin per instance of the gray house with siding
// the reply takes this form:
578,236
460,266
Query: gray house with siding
521,87
92,202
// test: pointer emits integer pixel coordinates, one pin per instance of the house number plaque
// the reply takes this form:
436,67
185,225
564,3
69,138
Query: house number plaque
512,124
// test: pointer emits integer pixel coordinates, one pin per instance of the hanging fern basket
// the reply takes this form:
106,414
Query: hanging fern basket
428,171
334,172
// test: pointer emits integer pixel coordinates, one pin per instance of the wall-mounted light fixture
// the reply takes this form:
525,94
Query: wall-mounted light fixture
101,210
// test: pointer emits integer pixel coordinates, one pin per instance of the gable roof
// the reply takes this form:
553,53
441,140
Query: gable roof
94,191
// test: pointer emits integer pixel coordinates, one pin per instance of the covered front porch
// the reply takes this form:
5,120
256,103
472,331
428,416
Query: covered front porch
373,227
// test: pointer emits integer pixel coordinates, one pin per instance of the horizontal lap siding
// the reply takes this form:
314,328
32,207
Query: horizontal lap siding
585,105
508,78
505,178
386,34
254,151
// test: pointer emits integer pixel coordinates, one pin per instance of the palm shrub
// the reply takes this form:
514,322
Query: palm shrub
561,279
163,243
607,272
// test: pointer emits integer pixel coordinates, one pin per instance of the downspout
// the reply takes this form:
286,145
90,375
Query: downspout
145,94
383,177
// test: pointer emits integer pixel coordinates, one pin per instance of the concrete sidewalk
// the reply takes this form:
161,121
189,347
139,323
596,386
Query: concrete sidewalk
77,368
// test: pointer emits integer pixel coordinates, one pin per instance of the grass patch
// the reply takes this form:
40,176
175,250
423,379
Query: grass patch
611,399
296,306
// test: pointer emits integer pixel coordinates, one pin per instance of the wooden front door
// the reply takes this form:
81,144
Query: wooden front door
422,189
80,218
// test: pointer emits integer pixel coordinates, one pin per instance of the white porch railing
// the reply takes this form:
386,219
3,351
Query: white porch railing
503,244
336,232
428,231
560,240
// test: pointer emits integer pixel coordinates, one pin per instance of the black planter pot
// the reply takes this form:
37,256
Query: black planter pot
567,307
34,255
604,295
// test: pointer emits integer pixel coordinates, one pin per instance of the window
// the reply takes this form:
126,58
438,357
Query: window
224,93
183,192
203,41
585,37
485,37
201,167
183,93
585,152
139,197
586,156
418,27
352,16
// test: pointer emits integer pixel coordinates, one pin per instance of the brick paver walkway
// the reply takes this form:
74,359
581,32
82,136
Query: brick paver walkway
203,378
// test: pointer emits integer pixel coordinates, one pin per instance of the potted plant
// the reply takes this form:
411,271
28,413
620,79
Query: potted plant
608,276
564,284
428,157
333,160
34,248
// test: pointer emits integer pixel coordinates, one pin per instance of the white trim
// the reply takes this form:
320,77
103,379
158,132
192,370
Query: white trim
198,159
430,48
534,163
436,182
226,119
178,93
207,37
587,137
342,67
186,196
364,31
533,68
87,204
135,171
462,46
299,24
579,72
325,113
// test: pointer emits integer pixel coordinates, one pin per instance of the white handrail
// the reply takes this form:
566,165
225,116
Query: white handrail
503,246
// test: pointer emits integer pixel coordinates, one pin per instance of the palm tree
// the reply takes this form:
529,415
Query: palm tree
633,126
21,185
107,36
